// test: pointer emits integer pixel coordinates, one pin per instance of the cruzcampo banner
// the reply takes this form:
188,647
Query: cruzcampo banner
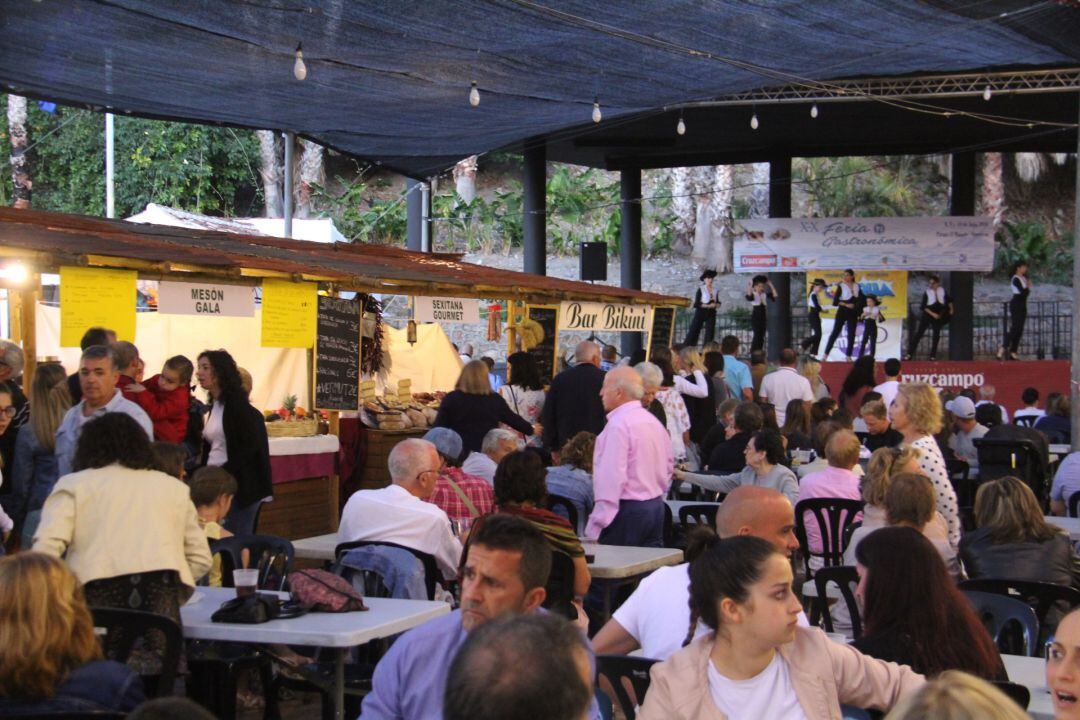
888,243
93,297
889,286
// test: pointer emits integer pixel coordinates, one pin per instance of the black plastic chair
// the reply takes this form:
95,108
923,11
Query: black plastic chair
844,577
1074,504
563,507
833,517
703,514
263,553
616,668
124,627
1010,621
431,568
1042,597
1025,421
64,715
560,586
1019,694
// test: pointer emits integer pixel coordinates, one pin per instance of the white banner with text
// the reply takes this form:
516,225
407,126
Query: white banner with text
446,310
179,298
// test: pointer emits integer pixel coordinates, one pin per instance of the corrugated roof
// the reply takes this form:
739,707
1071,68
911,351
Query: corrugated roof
159,251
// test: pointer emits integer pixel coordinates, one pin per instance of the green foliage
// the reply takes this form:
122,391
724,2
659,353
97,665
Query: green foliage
1027,240
192,167
862,186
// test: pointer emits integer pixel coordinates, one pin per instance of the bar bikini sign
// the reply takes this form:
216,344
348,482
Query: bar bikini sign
177,298
603,317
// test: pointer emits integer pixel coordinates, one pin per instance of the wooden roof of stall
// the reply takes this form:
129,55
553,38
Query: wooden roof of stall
49,240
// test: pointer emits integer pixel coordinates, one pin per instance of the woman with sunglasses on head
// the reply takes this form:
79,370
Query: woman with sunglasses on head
757,662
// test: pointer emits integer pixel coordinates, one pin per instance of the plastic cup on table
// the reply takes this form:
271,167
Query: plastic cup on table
245,582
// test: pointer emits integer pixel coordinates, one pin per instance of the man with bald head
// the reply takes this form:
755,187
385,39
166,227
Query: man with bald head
657,616
399,514
573,403
632,467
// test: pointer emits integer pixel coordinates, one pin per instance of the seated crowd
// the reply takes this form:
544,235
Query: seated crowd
119,484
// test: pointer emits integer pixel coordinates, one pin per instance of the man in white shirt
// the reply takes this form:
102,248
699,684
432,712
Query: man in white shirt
967,431
785,385
398,513
498,443
986,395
657,616
889,388
1030,413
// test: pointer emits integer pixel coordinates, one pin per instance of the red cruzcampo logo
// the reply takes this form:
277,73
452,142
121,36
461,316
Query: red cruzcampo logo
758,261
789,262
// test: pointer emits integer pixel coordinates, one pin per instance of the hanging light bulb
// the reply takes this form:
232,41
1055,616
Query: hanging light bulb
299,69
681,127
987,93
474,95
596,116
754,122
813,110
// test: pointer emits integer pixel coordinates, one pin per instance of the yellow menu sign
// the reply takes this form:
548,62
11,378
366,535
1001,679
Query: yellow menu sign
288,313
92,297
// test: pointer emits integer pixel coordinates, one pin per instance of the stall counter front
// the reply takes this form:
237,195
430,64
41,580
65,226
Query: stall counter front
305,475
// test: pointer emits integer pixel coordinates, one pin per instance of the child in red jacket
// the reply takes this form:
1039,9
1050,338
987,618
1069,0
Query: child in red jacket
166,399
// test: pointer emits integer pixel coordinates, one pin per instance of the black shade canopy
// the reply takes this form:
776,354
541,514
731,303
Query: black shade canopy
388,81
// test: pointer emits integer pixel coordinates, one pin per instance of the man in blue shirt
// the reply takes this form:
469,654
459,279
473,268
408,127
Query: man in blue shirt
736,372
504,574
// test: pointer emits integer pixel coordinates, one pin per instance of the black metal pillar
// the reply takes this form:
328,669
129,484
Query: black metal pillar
414,214
535,199
780,207
630,245
961,285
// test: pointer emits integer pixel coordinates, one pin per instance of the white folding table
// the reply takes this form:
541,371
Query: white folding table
1031,673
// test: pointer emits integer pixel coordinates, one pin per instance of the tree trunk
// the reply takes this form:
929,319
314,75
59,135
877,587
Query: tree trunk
20,165
759,194
724,186
271,170
682,205
465,179
993,188
312,172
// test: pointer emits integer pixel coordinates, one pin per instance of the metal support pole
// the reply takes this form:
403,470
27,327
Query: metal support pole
287,195
630,245
535,208
779,311
961,285
425,217
110,167
414,215
1074,387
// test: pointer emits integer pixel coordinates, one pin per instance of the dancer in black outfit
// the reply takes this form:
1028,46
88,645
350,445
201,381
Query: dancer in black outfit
848,301
871,316
758,289
934,312
705,304
812,343
1021,288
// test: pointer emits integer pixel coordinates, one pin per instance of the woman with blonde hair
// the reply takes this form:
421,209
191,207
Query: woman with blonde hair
50,659
472,408
956,695
811,370
1014,540
35,470
916,414
702,410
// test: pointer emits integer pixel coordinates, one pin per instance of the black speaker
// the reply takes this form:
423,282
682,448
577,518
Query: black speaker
593,260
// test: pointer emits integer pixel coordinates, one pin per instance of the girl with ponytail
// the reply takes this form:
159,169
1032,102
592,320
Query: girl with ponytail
756,661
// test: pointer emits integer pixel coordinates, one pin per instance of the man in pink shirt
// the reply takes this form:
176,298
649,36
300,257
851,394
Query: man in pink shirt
632,467
838,480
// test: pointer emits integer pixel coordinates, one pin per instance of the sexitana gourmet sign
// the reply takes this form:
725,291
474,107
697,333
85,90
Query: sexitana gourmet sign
603,317
889,243
446,310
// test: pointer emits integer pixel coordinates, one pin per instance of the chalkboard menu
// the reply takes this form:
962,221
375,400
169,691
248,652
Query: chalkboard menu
337,355
663,324
544,353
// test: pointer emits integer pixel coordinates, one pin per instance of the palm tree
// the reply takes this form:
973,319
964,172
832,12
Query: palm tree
20,164
271,171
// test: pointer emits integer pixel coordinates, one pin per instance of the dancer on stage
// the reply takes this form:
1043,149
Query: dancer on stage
871,316
1021,288
934,312
848,300
706,302
813,301
758,290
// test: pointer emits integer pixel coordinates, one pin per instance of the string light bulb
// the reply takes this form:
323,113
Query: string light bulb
299,69
987,94
474,95
754,122
596,115
681,127
813,110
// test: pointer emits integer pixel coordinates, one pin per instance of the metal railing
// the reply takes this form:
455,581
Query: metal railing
1047,333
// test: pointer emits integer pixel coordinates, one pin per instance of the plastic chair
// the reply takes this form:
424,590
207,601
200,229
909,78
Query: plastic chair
1002,616
1016,692
1019,458
1042,597
701,515
564,507
64,715
1074,504
123,627
560,586
264,551
431,568
1025,421
833,517
844,577
617,668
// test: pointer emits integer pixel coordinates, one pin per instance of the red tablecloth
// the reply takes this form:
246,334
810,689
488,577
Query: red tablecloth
287,468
